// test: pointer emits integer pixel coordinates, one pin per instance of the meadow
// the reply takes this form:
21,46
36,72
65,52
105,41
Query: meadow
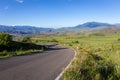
98,56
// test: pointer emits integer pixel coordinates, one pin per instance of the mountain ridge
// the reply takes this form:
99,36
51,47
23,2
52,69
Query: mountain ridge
40,30
89,25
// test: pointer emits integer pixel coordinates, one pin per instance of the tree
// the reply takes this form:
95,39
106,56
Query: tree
5,39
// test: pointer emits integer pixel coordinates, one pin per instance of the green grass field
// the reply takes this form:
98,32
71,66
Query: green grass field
98,57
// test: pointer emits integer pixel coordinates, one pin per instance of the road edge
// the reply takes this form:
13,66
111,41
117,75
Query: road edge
61,74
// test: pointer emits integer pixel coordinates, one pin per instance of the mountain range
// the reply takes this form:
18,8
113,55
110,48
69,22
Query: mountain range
23,29
40,30
90,25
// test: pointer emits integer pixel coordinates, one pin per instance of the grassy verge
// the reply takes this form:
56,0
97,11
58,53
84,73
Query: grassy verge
10,47
98,57
6,54
20,48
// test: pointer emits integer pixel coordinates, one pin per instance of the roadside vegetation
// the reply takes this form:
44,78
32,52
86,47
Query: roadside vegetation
9,47
97,58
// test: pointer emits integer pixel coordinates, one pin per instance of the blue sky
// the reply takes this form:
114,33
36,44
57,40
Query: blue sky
58,13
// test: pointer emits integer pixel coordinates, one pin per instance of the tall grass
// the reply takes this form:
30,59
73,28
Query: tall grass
98,57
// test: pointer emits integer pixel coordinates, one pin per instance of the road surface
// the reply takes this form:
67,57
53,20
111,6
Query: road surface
41,66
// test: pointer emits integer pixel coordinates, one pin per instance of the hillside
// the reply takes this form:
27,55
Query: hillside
93,25
24,29
88,25
107,30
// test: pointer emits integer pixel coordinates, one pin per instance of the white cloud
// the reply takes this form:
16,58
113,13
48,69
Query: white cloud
20,1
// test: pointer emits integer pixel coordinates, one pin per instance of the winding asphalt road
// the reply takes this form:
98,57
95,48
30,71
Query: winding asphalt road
40,66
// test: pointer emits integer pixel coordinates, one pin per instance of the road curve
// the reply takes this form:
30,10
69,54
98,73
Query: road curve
41,66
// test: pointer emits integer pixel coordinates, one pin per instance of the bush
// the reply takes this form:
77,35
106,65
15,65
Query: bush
5,39
91,67
95,65
54,40
26,39
107,70
75,42
119,39
97,34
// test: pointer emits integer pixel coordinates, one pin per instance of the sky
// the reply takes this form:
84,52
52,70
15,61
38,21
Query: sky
58,13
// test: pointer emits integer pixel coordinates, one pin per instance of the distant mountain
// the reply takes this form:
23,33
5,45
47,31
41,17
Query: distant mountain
93,25
107,30
89,25
117,24
31,30
24,29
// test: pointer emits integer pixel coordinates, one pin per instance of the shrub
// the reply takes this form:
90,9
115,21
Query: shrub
75,42
5,39
119,39
54,40
26,39
107,70
97,34
91,67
